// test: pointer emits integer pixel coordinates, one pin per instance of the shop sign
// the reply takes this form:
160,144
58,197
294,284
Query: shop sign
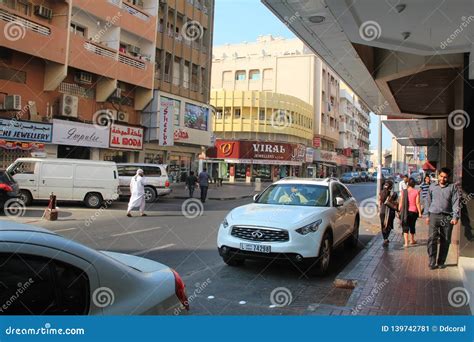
309,155
252,150
166,121
196,117
79,134
180,134
21,145
325,156
11,129
126,137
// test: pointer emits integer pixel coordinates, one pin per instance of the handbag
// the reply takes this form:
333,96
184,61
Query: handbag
391,201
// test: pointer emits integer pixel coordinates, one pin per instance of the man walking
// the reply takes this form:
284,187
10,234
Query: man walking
215,175
443,213
403,184
137,193
204,184
191,182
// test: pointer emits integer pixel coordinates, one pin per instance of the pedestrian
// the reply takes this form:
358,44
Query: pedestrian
388,209
410,210
191,183
137,193
215,175
443,214
424,187
204,184
403,184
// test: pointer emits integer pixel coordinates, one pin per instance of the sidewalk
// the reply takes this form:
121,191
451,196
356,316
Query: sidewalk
397,281
225,192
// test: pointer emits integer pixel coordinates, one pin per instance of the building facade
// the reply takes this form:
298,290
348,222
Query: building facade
84,71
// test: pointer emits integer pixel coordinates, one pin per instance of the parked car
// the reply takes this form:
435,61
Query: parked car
364,176
8,189
357,176
371,177
92,182
157,182
58,276
298,219
348,177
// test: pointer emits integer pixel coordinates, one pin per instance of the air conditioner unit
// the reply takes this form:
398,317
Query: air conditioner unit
43,12
122,116
12,102
68,106
83,77
133,49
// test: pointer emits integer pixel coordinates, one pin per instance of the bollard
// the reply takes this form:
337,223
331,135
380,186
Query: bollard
258,184
51,213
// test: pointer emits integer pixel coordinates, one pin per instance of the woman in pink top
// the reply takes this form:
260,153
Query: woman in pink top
410,210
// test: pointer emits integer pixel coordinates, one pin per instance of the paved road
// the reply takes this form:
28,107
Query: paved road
189,246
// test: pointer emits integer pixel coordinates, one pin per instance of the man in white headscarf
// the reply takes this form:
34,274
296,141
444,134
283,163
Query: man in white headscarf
137,193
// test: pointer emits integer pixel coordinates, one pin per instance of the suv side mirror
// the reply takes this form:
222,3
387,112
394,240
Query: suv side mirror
339,202
255,197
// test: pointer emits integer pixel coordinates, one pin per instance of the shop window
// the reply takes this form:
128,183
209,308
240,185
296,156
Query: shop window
7,157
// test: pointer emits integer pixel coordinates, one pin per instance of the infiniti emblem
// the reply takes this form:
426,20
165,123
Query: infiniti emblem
257,234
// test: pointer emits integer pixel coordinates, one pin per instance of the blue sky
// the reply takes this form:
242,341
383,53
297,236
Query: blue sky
236,21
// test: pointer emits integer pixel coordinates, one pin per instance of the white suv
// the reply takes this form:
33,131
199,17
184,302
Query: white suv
297,219
156,177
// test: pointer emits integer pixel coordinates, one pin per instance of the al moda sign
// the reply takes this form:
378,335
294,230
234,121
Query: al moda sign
233,149
79,134
126,137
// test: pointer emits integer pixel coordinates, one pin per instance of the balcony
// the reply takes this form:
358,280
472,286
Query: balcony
31,37
135,71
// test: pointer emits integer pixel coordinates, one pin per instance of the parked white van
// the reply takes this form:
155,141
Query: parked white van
69,179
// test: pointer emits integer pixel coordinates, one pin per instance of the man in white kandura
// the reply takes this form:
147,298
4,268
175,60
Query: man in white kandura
137,191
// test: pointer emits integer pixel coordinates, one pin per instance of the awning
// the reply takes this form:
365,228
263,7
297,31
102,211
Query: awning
416,132
428,166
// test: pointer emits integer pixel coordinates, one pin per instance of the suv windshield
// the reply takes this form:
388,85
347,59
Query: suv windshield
296,194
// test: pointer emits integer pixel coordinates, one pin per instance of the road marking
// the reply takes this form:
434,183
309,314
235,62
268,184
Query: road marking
64,230
153,249
135,232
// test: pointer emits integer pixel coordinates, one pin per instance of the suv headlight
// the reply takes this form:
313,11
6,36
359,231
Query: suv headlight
310,228
225,224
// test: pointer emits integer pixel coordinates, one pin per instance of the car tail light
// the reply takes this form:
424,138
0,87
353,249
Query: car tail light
167,184
6,187
180,289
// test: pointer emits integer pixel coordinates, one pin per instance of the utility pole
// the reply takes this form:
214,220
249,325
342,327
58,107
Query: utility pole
379,167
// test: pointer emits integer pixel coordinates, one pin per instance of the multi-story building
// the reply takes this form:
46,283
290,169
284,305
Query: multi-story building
69,67
286,67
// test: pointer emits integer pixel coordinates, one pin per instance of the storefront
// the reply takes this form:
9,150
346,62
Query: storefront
344,164
19,139
325,163
125,144
244,160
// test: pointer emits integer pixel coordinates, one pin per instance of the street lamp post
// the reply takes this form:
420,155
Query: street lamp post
379,167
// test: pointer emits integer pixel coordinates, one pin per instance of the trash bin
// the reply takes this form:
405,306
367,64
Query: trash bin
258,184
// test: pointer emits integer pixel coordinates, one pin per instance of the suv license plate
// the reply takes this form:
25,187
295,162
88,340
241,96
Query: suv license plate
250,247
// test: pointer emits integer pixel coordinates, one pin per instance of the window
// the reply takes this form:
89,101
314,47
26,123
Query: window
48,286
237,113
240,75
151,171
261,114
254,75
226,76
24,168
194,77
160,25
168,67
177,71
186,75
23,7
78,30
159,54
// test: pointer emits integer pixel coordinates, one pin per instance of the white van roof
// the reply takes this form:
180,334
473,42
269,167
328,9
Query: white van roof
142,164
66,160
